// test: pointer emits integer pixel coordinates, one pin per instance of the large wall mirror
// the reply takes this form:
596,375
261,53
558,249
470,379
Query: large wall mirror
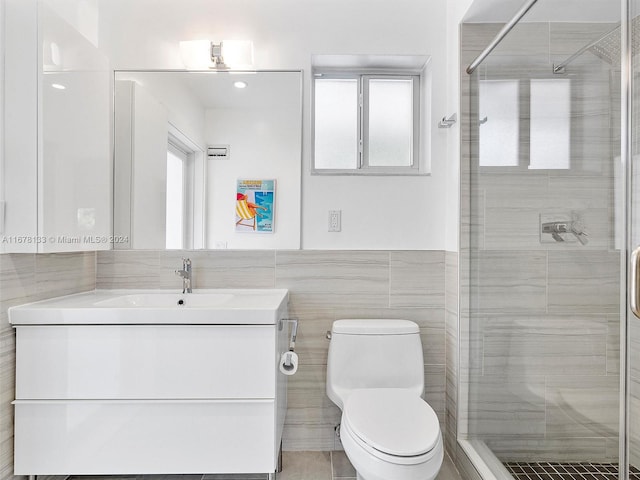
207,159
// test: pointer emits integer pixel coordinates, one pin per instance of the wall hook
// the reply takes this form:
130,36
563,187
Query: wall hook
448,122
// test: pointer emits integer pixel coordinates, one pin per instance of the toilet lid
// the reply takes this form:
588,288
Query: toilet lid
393,421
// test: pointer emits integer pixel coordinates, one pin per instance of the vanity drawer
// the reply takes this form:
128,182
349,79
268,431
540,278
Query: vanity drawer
146,362
144,437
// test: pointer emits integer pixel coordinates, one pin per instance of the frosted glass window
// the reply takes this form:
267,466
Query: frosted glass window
550,124
175,201
499,123
390,132
336,123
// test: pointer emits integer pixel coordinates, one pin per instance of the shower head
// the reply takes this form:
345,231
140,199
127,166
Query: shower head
607,47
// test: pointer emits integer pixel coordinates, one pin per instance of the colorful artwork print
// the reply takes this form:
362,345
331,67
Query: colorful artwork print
255,202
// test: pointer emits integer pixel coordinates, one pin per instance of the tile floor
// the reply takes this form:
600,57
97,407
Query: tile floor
567,471
295,466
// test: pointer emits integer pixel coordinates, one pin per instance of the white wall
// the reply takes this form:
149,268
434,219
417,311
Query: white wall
378,212
455,12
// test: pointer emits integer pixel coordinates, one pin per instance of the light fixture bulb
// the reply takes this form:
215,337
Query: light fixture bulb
240,84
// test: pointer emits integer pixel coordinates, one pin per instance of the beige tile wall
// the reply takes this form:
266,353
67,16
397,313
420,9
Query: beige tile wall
27,278
540,321
324,286
451,351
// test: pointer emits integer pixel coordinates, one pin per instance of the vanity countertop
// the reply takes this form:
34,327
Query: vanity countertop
140,307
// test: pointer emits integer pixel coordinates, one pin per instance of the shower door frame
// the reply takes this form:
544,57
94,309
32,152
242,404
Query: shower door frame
468,459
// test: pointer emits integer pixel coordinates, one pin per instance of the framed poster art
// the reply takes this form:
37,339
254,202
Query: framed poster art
255,206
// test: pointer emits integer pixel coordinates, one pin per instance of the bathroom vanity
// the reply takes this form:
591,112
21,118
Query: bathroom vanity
150,382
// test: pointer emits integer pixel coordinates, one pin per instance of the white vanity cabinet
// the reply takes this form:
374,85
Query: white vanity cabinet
148,399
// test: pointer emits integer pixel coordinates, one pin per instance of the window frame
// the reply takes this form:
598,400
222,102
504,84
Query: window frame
363,77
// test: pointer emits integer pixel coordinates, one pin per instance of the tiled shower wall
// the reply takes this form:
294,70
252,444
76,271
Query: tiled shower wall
451,347
324,286
541,319
27,278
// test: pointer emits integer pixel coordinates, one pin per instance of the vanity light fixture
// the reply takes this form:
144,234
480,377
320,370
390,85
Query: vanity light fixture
240,84
227,54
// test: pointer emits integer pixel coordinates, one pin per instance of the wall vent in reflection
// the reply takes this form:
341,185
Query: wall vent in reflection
218,152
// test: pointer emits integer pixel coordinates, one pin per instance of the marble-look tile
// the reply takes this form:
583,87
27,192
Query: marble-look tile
612,450
634,429
613,344
451,282
584,281
250,476
567,38
335,278
502,407
305,466
17,278
312,344
534,450
220,268
301,437
425,317
417,279
582,406
540,354
60,274
546,345
448,471
433,345
341,466
307,400
510,281
434,389
451,352
311,415
6,459
450,435
512,228
128,269
512,326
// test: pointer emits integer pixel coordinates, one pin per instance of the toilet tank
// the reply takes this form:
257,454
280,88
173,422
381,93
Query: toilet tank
374,354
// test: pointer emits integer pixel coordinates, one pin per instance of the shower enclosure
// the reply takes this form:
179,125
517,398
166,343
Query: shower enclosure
549,218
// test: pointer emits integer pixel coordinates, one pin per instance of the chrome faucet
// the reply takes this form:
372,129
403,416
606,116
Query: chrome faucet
185,273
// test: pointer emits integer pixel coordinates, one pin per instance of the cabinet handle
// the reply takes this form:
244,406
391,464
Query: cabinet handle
634,293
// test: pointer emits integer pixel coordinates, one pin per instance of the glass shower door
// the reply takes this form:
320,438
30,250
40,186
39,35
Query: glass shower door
541,252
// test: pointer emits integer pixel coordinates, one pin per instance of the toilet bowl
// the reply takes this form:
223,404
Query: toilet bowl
391,434
375,374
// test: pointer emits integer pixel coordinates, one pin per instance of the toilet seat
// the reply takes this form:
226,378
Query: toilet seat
393,424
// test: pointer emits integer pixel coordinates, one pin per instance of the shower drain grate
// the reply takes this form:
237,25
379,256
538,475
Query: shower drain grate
567,471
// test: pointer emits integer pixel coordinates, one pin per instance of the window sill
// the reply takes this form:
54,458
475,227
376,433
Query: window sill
369,173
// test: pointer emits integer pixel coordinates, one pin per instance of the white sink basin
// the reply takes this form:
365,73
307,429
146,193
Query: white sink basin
141,307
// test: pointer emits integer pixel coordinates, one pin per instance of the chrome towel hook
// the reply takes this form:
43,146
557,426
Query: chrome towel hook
448,122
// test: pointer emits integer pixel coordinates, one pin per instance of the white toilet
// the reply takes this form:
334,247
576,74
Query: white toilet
375,374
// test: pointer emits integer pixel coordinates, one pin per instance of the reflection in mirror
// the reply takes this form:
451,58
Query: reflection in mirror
182,142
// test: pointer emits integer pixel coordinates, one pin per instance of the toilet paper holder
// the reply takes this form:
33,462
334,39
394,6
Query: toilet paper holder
292,339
